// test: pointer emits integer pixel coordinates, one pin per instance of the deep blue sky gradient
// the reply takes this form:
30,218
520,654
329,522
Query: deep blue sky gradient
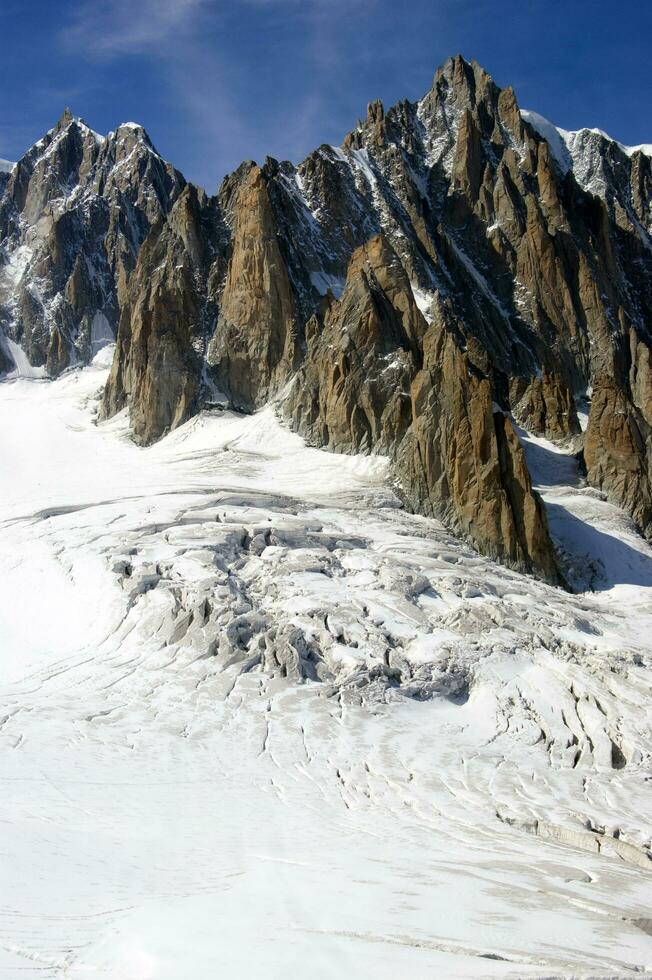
218,81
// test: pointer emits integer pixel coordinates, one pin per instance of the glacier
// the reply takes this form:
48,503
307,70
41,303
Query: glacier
180,799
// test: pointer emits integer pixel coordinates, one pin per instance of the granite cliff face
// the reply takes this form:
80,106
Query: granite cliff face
167,313
379,376
455,267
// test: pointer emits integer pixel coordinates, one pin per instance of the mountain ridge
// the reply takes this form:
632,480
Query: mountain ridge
410,292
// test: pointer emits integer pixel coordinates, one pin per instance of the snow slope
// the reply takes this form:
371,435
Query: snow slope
464,793
560,139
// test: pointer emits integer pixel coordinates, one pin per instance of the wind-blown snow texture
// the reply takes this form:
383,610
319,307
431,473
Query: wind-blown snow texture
176,805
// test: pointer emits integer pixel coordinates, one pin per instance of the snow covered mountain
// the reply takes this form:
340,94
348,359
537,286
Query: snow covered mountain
586,152
74,213
463,268
268,710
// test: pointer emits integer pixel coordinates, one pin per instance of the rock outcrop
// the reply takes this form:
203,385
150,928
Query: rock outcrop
166,317
253,347
379,376
618,450
454,265
544,405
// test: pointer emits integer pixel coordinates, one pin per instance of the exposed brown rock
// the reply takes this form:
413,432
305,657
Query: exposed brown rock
526,280
254,343
618,450
468,162
351,393
545,405
464,462
378,378
640,376
157,366
532,273
58,354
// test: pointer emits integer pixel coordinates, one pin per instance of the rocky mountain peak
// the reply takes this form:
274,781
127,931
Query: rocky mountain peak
455,269
130,135
460,84
375,112
68,119
74,213
64,120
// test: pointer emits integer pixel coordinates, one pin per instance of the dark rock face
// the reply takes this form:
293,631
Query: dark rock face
74,213
379,376
443,271
544,405
166,315
618,450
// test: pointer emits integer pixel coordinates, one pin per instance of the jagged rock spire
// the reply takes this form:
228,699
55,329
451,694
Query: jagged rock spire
429,280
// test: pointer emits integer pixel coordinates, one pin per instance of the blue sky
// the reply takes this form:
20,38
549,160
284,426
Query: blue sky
218,81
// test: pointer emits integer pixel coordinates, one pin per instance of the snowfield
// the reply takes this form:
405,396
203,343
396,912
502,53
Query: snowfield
257,721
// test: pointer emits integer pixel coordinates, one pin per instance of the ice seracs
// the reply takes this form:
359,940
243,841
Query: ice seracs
240,683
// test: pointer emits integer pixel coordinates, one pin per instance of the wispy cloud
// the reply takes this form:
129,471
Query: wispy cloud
229,107
119,27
